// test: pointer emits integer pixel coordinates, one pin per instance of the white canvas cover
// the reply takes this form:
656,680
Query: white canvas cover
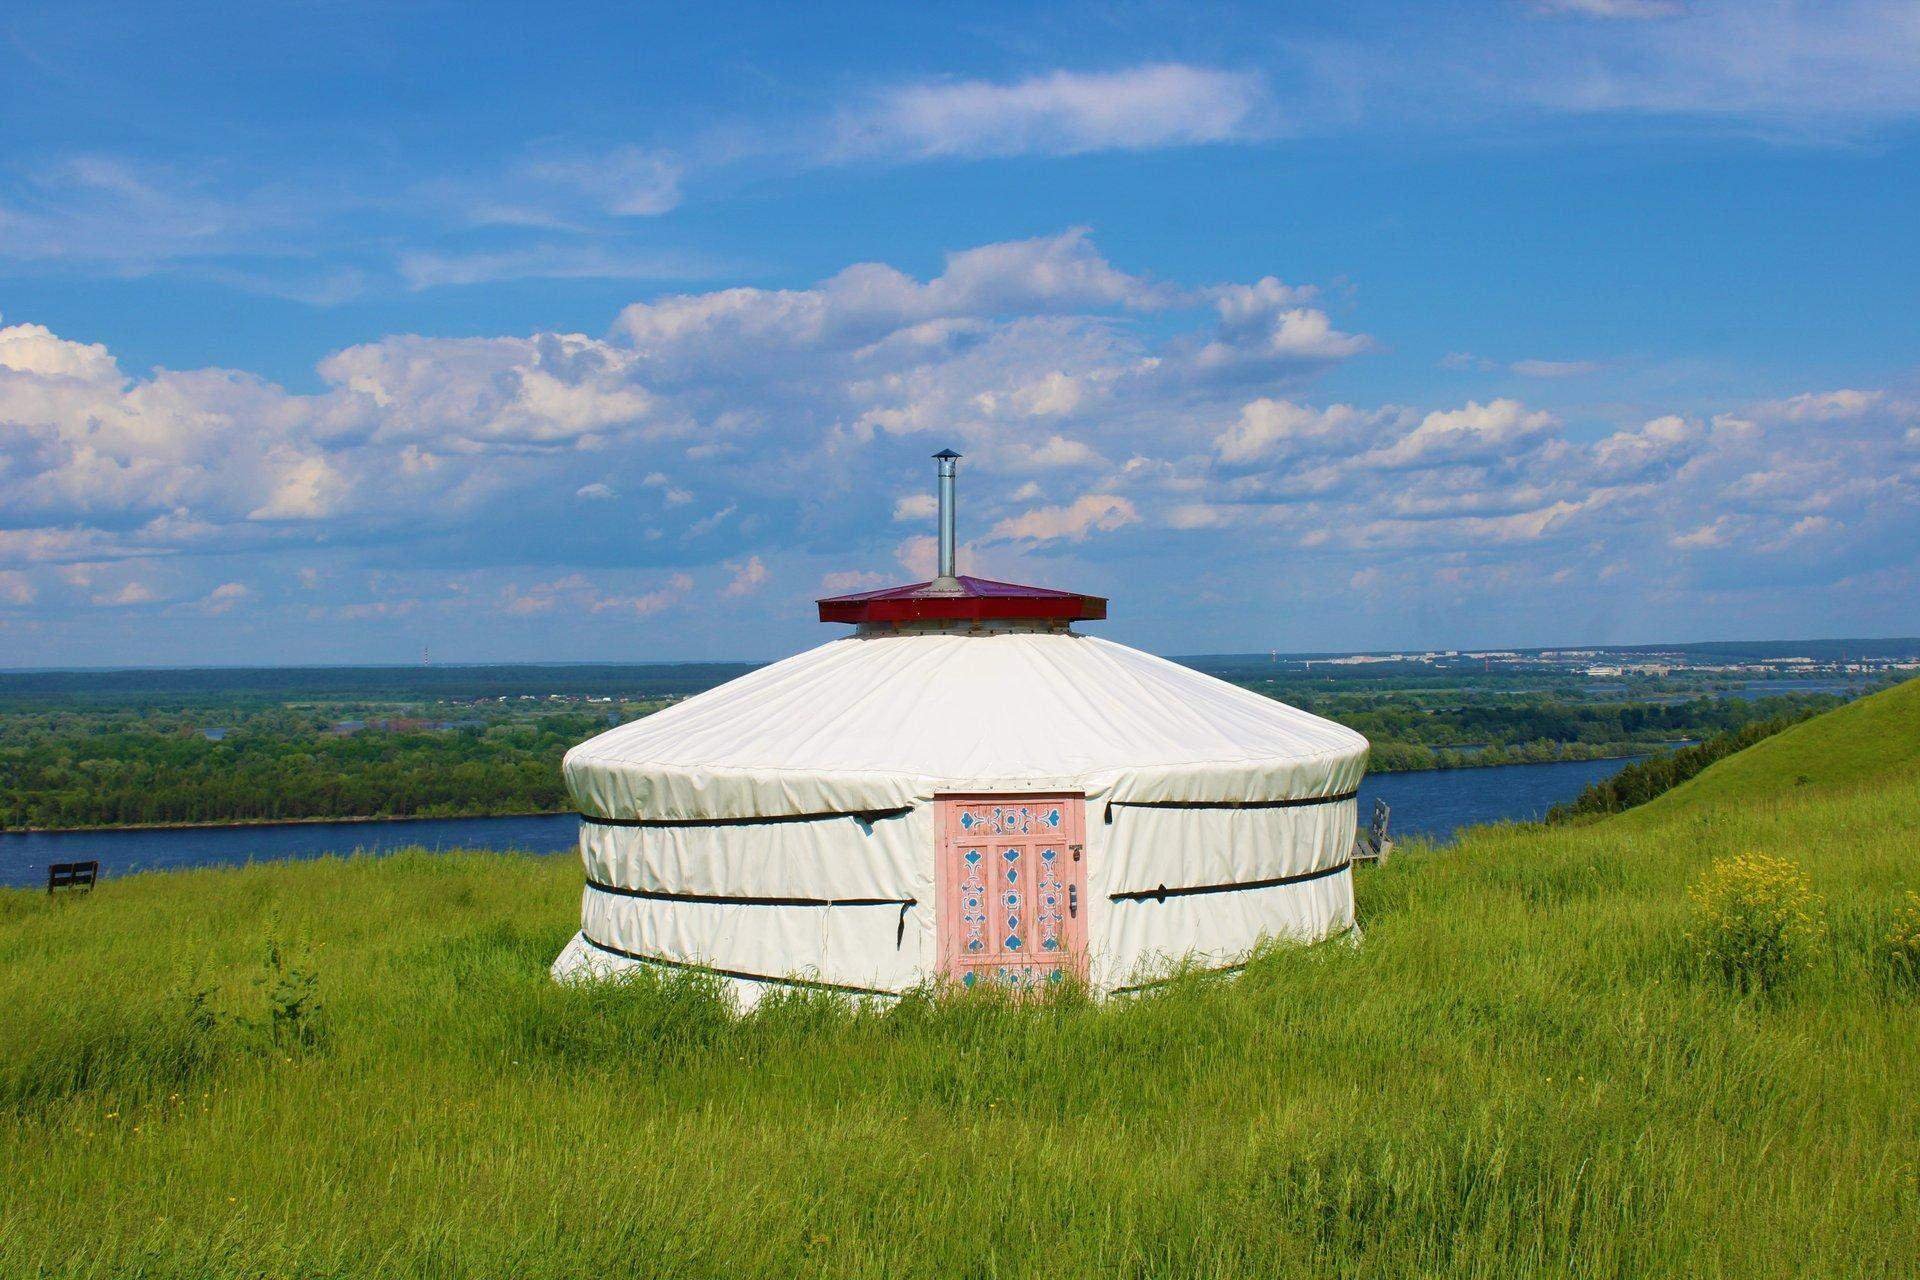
867,730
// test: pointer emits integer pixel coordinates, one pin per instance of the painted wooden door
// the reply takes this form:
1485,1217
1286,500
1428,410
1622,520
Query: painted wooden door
1013,887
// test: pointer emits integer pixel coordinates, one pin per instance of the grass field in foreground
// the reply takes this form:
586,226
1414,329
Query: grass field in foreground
1520,1072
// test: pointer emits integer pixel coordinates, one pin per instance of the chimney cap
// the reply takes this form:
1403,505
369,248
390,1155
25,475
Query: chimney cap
948,453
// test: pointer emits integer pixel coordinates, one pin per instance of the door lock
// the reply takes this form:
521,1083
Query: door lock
1076,851
1073,900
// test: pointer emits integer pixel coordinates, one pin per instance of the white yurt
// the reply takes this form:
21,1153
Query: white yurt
965,788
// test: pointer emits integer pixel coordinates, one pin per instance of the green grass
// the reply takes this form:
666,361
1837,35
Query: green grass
1521,1071
1873,739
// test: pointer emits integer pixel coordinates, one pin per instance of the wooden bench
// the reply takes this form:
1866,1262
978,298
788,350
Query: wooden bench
1374,844
72,875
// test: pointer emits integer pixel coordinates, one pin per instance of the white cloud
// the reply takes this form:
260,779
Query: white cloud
16,588
129,593
1054,451
869,301
1715,533
225,597
1294,335
471,394
1050,397
1822,406
748,577
1268,425
34,349
711,521
799,415
1469,432
1058,113
304,488
673,593
1094,511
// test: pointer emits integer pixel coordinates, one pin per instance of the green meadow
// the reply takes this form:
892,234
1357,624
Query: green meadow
359,1068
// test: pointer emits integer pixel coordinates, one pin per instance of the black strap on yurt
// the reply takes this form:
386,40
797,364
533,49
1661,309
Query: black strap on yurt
865,817
808,984
1300,802
1161,893
742,900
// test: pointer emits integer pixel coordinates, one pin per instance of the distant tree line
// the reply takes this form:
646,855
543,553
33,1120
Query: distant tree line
262,772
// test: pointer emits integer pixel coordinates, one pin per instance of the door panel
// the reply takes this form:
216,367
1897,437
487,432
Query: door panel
1013,887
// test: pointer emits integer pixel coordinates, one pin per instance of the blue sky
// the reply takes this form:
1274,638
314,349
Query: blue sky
331,331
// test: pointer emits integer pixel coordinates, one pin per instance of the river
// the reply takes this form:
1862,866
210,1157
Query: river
1433,803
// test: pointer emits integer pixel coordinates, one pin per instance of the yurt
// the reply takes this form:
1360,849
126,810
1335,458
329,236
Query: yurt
966,788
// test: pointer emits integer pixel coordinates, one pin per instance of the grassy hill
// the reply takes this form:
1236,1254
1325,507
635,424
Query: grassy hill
1868,741
358,1068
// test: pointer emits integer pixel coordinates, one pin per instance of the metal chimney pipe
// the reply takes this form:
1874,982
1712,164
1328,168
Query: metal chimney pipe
946,459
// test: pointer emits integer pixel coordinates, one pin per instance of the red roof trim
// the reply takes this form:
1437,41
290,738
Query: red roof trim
979,599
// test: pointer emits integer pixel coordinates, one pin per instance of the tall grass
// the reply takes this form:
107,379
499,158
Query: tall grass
1522,1071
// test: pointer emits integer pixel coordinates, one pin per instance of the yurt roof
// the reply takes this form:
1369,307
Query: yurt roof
962,598
880,721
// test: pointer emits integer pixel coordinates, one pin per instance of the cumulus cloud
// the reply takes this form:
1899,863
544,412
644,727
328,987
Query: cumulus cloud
748,577
1259,334
1470,432
1268,426
1101,511
799,416
470,394
128,593
1058,113
1821,406
225,597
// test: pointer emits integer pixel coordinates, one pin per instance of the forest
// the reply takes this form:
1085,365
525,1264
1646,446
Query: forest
92,769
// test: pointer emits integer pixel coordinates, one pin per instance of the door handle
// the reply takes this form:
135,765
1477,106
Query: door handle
1073,900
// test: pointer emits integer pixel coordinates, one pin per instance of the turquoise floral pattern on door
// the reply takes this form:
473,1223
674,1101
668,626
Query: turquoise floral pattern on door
1012,884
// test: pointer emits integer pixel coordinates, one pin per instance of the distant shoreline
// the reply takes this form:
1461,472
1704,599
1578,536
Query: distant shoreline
277,822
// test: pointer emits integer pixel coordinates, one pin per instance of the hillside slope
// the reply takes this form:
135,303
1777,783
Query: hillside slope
350,1068
1873,739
